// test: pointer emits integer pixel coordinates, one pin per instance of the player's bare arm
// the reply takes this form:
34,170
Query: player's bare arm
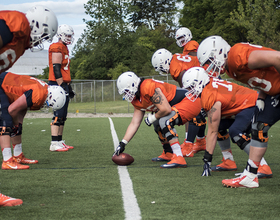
1,42
214,117
17,109
160,101
262,59
132,128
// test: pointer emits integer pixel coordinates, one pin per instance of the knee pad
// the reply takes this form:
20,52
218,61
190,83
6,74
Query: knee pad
167,124
242,140
5,131
199,120
57,121
259,131
222,135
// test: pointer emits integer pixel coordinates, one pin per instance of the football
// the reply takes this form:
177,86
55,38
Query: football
123,159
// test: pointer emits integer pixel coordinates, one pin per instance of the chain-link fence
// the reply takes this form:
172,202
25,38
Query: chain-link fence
104,90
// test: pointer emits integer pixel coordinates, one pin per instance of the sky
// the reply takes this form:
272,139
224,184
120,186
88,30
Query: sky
69,12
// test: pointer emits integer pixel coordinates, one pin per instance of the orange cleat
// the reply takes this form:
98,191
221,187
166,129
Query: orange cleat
9,201
163,157
11,165
187,149
176,162
23,160
264,171
199,145
226,165
246,180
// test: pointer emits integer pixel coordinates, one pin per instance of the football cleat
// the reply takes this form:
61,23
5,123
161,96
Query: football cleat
176,162
65,145
55,146
9,201
264,171
187,149
11,165
199,145
226,165
163,157
246,180
22,159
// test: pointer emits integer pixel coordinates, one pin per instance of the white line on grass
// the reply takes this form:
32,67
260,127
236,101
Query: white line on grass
131,208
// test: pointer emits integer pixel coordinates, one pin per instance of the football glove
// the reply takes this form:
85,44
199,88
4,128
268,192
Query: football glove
151,118
71,92
206,169
119,149
207,159
64,86
260,104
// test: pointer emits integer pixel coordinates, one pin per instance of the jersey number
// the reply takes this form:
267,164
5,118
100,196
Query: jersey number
4,57
217,82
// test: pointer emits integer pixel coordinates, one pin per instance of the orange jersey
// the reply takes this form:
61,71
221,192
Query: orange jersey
234,98
180,62
147,90
19,26
191,46
265,79
65,65
15,86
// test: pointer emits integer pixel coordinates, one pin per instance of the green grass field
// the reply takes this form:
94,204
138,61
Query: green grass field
83,183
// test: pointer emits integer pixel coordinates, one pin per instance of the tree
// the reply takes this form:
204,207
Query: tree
260,19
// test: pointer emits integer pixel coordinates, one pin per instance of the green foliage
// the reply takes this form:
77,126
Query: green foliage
261,20
45,74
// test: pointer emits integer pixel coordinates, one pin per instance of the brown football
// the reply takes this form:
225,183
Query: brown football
123,159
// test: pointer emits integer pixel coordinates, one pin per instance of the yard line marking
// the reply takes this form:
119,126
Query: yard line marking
131,207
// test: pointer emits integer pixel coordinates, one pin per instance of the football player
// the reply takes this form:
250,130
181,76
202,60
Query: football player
19,93
59,74
177,64
229,106
19,32
183,38
167,106
259,68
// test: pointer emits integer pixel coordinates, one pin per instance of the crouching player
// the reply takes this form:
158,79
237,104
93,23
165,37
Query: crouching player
17,94
168,106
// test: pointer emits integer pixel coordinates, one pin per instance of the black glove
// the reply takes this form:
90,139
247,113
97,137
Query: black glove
119,149
64,86
207,164
71,92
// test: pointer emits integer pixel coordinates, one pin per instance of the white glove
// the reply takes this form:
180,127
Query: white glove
260,104
151,118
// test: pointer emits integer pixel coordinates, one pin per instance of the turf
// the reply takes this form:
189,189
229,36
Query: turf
83,183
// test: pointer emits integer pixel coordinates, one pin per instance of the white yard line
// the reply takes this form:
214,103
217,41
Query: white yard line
131,207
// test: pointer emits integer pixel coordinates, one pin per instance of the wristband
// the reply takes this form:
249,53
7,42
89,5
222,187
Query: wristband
124,141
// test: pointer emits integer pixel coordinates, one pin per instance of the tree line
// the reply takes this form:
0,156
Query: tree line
122,35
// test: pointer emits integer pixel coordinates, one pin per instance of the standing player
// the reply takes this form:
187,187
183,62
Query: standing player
19,32
259,68
183,38
194,128
167,105
229,106
59,74
177,65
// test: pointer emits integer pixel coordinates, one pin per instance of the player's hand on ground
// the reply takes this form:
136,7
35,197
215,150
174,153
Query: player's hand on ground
119,149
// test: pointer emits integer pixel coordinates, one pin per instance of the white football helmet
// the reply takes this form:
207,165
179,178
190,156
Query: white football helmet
65,33
194,80
215,50
43,24
161,60
183,35
127,84
56,97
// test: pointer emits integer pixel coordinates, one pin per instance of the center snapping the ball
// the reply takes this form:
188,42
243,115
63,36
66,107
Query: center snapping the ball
123,159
